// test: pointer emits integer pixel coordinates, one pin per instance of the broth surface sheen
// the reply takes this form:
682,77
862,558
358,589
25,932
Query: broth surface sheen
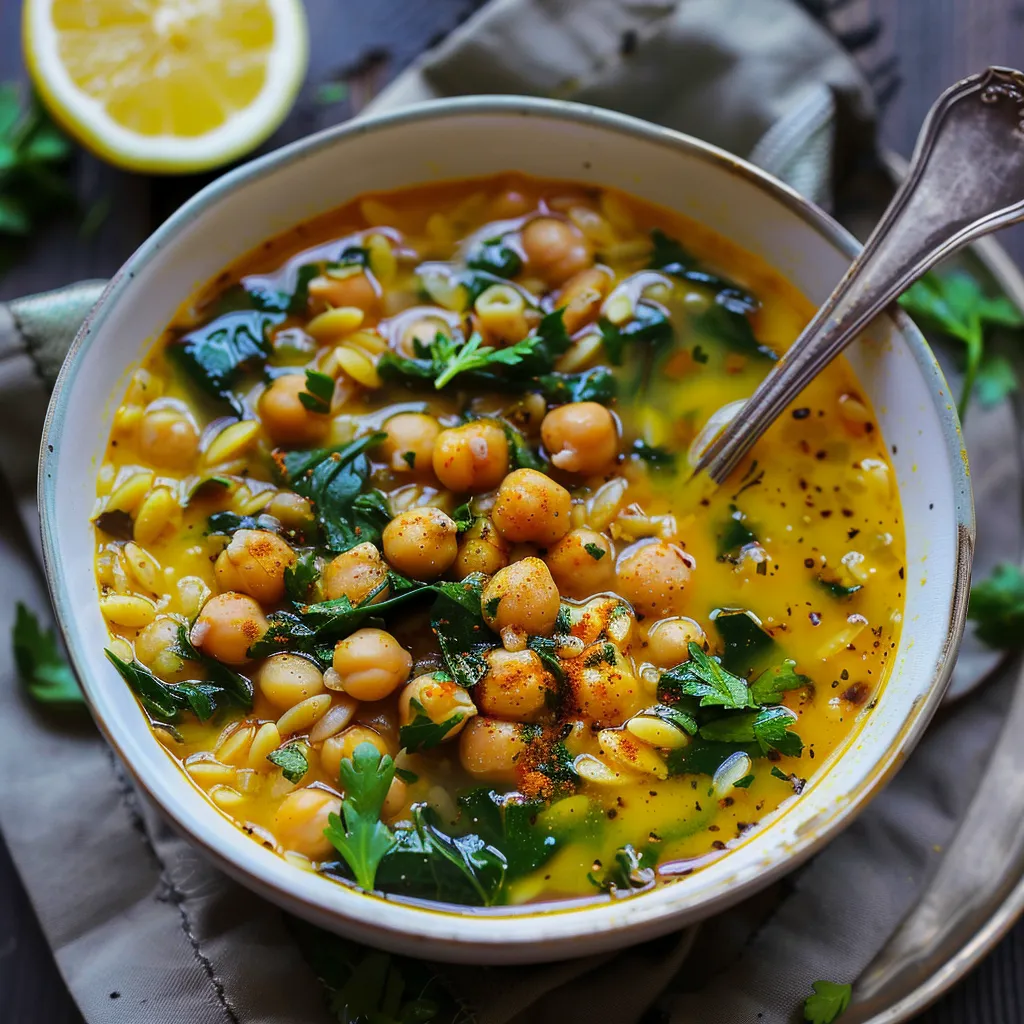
399,551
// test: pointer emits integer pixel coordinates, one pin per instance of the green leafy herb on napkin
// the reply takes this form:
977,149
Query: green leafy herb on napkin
828,1003
956,305
44,671
997,606
33,152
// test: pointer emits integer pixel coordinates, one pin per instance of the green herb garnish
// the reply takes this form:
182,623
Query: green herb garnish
422,733
319,392
706,678
292,761
828,1003
43,670
997,607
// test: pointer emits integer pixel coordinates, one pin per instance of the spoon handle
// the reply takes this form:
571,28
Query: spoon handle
966,178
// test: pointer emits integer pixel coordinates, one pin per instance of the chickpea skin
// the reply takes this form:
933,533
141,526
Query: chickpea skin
337,748
288,679
228,625
421,542
516,685
522,595
371,664
168,438
555,249
254,564
530,506
355,574
154,647
285,419
652,576
301,819
580,437
410,442
582,563
440,699
481,549
669,639
356,289
489,749
473,457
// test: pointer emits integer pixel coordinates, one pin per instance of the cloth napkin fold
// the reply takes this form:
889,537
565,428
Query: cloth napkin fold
144,929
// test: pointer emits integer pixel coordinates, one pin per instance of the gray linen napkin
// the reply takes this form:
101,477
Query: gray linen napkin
130,908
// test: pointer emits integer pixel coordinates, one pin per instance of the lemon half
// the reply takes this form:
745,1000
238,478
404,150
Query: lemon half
167,85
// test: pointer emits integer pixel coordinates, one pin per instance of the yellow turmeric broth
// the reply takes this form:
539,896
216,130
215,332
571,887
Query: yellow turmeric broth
398,552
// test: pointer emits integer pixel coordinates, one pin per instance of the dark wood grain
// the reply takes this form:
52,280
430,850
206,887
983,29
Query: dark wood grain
917,48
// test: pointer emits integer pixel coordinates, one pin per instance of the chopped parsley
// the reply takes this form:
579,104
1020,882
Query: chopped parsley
292,761
595,551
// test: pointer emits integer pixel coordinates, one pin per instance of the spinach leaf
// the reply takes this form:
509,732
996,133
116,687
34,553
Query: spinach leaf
655,455
234,687
832,584
422,733
227,523
334,479
649,325
116,523
462,635
705,757
358,834
523,455
495,257
43,670
319,392
705,678
729,325
428,863
292,761
300,577
509,824
746,644
630,871
215,356
669,256
734,535
162,701
595,385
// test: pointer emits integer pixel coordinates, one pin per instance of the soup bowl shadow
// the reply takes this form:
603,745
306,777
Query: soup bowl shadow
474,137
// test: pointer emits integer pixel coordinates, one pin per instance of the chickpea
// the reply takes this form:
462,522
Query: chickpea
395,801
337,748
555,249
285,419
356,289
652,576
509,203
530,506
287,679
154,647
582,563
516,685
228,625
481,549
355,574
668,641
440,699
301,819
410,442
254,564
168,438
605,689
522,594
473,457
292,510
580,437
581,297
489,749
421,542
371,664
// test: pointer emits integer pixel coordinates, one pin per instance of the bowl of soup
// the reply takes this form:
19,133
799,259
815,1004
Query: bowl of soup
369,522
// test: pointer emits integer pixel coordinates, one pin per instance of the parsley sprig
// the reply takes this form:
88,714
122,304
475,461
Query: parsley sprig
828,1003
451,357
47,676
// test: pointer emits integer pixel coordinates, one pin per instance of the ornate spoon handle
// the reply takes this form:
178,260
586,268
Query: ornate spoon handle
966,179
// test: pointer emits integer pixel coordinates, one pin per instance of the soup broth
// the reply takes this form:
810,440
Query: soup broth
400,553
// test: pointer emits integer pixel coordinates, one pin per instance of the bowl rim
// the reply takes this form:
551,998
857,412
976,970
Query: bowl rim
490,935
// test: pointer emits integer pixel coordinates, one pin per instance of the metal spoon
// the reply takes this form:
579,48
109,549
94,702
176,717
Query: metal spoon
966,179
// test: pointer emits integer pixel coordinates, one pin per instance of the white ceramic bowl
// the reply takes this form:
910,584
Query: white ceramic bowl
479,136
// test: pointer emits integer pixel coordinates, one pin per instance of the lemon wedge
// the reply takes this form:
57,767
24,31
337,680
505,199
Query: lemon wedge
167,85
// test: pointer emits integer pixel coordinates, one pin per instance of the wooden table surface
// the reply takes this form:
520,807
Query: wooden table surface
913,49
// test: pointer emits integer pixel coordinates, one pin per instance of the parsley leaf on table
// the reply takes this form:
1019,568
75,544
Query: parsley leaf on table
705,677
47,676
997,606
358,834
828,1003
956,305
